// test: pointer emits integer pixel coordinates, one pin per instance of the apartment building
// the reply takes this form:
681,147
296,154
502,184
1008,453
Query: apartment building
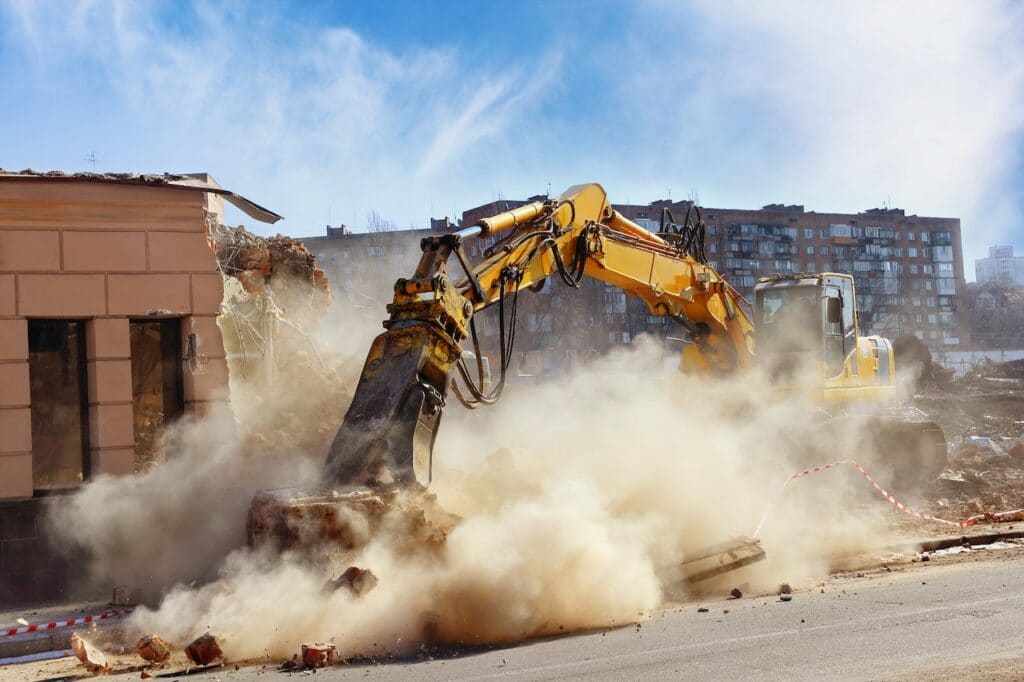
908,272
1000,267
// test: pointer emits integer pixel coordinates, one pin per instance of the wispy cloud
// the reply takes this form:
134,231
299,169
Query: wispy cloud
836,106
844,106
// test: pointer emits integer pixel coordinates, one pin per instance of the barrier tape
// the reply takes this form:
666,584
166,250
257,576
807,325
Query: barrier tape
53,625
966,523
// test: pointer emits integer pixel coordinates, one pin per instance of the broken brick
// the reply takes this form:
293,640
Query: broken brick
153,648
357,580
90,656
318,655
204,650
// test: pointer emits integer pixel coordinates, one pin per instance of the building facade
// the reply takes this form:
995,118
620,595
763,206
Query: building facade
1001,267
109,296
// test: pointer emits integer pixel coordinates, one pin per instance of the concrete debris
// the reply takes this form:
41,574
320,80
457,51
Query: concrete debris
736,593
153,648
318,655
90,656
701,609
357,580
126,595
204,650
785,588
293,519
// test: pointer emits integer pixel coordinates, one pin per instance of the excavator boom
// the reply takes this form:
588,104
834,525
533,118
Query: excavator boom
388,433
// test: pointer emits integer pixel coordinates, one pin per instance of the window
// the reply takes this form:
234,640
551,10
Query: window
712,230
713,247
912,252
811,267
809,250
158,396
924,237
930,301
60,403
840,230
808,233
614,301
916,301
913,268
823,251
910,236
375,251
823,234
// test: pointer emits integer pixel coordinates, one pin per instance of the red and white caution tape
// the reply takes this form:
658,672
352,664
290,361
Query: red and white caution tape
53,625
970,521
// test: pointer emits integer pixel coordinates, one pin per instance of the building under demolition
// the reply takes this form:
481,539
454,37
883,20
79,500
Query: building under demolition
109,296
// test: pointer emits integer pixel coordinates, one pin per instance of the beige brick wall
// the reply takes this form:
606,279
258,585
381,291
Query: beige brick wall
104,253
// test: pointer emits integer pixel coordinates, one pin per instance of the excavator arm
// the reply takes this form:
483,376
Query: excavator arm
389,430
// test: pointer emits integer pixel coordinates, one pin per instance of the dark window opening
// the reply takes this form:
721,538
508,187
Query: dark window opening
60,403
158,396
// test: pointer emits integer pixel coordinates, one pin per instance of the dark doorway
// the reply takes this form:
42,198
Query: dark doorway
60,403
158,396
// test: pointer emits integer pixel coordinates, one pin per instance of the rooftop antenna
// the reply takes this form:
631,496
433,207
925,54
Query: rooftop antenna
92,159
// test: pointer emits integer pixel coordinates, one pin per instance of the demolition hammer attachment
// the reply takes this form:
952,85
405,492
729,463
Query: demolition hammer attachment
389,430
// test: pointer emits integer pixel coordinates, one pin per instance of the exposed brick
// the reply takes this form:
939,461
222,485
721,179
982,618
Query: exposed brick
14,386
13,339
113,461
207,294
111,426
16,476
16,427
104,251
211,343
29,250
110,381
8,301
141,294
180,252
61,295
107,337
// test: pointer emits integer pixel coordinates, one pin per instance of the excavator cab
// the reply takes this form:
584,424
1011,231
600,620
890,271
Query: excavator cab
807,331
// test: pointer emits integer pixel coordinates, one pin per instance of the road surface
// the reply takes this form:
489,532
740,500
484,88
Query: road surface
955,619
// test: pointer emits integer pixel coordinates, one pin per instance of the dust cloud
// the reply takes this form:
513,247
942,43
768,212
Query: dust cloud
578,499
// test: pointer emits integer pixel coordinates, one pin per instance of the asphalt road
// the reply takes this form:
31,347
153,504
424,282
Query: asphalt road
955,619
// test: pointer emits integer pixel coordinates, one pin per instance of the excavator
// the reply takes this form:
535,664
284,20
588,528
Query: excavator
808,343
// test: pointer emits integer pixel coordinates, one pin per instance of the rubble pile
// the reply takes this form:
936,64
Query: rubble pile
982,415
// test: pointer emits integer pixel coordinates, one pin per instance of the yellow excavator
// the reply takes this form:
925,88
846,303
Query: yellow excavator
807,340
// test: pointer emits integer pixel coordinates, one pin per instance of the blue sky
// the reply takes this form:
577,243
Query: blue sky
336,110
